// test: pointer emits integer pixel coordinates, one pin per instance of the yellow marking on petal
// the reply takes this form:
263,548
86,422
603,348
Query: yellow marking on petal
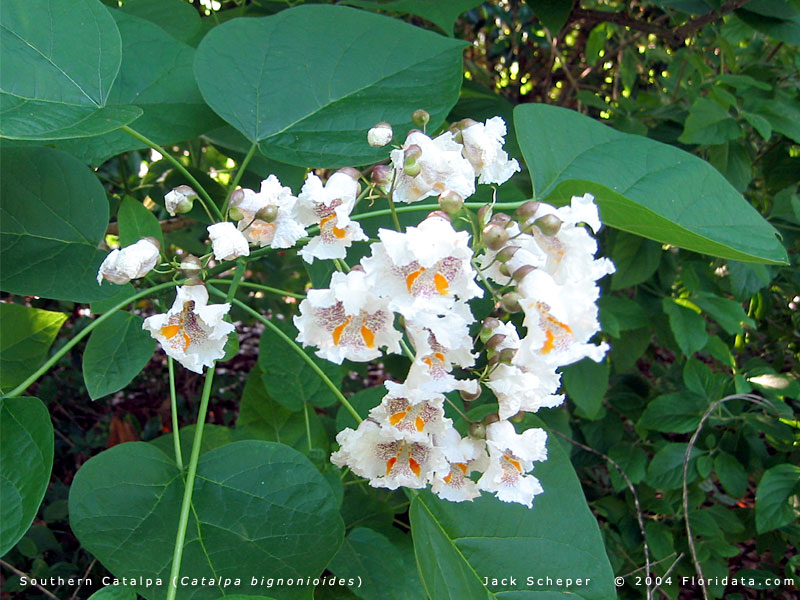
440,356
337,333
414,465
412,277
516,464
390,464
368,335
186,341
170,331
427,360
397,417
339,233
441,283
549,343
461,466
448,478
420,424
325,220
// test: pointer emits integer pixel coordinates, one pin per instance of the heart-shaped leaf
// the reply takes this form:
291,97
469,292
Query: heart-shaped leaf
53,216
25,464
259,509
642,186
459,545
309,82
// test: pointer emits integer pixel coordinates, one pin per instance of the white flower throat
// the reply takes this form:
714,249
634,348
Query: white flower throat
433,281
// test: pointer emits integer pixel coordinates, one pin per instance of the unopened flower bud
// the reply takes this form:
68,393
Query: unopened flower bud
269,213
522,272
526,212
494,341
494,236
235,213
410,165
477,431
504,270
518,418
506,355
490,324
438,213
193,281
382,176
357,268
548,225
470,395
237,197
180,200
465,123
501,219
191,266
380,135
484,215
491,418
451,202
506,253
510,302
420,117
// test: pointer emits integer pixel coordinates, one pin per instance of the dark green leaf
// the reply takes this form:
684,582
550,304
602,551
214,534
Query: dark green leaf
289,380
635,258
773,509
178,18
114,592
687,326
727,313
256,508
442,13
631,459
679,412
214,436
25,464
665,471
709,123
553,14
362,401
731,474
117,350
352,62
136,222
457,545
586,383
747,279
26,335
642,186
53,216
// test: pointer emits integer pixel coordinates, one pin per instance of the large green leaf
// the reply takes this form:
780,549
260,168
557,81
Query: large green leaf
777,485
157,79
260,510
116,352
25,464
136,221
290,381
458,545
26,335
442,13
58,76
553,14
178,18
642,186
53,216
309,82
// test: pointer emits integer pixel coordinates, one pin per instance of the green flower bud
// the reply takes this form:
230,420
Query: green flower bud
269,213
501,219
493,342
494,236
520,273
548,225
484,215
235,213
451,202
491,418
467,396
410,165
180,200
506,253
477,431
518,418
506,355
191,266
510,302
438,213
526,212
420,117
380,135
193,281
382,176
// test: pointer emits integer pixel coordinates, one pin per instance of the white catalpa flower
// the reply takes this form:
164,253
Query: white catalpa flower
387,460
329,206
227,242
180,200
441,167
483,147
347,321
560,320
425,269
132,262
524,385
510,457
435,360
463,455
413,413
192,331
281,232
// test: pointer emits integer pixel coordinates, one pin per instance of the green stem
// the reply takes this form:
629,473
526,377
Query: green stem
186,505
173,400
429,207
205,199
393,210
408,352
238,177
300,352
258,286
308,425
83,333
